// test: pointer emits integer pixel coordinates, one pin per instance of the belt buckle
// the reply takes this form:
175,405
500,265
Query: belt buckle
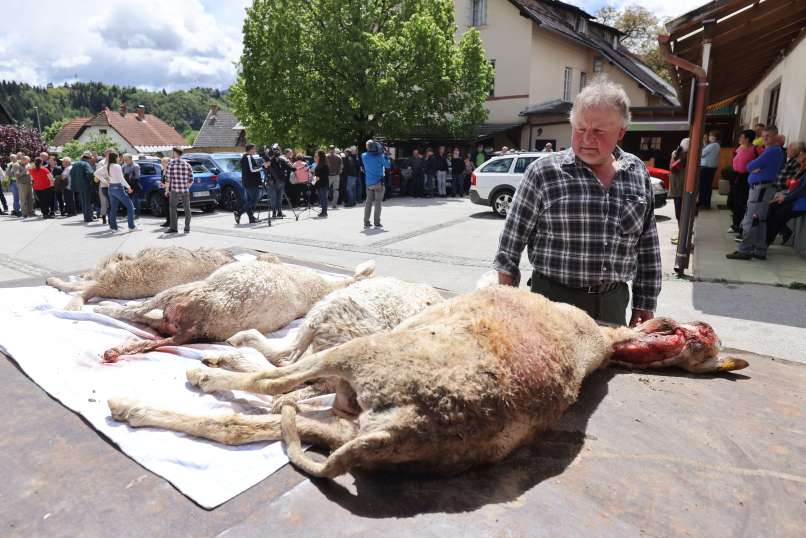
591,291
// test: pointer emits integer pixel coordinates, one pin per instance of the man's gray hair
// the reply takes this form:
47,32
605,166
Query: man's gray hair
602,93
800,145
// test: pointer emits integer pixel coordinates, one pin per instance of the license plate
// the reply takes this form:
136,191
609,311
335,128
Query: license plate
199,194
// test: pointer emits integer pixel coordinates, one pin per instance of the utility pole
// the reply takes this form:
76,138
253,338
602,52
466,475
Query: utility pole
38,124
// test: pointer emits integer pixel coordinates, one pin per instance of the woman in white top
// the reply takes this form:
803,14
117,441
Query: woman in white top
119,189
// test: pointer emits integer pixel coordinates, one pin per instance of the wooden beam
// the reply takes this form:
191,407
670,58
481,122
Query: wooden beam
692,20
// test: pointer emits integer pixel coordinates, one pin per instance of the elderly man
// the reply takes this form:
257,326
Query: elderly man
81,181
762,179
587,216
131,172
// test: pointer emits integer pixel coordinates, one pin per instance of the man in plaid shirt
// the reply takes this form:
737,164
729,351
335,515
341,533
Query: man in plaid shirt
179,176
587,217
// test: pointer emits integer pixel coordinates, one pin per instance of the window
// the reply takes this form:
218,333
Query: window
650,143
775,93
479,17
148,170
230,165
500,166
597,65
567,84
522,164
102,131
492,85
583,80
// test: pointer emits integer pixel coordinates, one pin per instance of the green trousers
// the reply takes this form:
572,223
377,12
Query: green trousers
610,306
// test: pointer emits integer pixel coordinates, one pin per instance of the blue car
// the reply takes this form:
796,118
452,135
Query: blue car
204,192
228,168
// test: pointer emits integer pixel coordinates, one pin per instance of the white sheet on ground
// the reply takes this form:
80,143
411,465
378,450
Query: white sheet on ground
60,351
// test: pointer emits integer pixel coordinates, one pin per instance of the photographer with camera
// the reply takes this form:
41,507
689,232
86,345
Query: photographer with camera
375,162
250,178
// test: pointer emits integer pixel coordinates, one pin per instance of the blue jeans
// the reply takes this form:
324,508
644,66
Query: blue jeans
323,192
351,194
118,195
15,192
250,199
276,192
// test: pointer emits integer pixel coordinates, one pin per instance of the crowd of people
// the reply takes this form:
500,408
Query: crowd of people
767,186
95,186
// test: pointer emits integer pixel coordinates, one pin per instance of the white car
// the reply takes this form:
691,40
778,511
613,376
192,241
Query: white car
494,182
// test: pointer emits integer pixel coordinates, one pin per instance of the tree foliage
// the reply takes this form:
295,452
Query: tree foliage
641,28
341,71
97,143
183,109
15,139
53,129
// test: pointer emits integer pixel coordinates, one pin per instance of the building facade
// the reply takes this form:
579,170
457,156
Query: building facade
544,52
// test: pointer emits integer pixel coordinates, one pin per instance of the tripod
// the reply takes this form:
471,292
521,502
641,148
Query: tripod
270,207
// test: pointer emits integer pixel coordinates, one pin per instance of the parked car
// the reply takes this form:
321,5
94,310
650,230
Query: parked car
228,168
204,191
494,182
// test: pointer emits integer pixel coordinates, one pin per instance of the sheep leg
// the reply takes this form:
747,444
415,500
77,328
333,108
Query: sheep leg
67,285
234,360
277,381
236,429
141,346
355,453
273,351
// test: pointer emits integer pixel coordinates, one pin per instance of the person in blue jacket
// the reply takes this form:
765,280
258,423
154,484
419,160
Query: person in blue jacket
788,205
763,175
375,161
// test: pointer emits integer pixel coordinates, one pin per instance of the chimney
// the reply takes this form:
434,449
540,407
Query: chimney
214,110
141,112
123,109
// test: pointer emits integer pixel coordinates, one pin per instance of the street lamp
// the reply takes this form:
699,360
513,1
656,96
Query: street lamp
38,125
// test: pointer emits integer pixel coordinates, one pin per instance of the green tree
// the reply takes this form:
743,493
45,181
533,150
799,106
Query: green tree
97,143
341,71
641,29
53,129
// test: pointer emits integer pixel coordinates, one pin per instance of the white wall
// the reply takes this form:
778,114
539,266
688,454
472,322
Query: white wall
791,73
124,146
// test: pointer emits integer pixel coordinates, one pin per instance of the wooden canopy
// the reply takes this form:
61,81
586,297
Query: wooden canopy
748,38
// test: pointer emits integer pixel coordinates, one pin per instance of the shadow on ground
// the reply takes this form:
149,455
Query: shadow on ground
751,302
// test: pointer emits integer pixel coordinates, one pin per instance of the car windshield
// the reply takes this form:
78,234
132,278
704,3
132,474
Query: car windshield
229,164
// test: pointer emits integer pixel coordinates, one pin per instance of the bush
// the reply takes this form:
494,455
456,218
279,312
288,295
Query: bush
15,139
96,143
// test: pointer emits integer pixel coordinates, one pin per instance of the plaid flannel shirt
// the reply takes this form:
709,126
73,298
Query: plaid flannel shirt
580,234
789,170
179,175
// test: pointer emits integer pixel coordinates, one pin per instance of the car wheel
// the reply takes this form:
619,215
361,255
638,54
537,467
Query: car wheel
157,204
501,202
208,208
230,199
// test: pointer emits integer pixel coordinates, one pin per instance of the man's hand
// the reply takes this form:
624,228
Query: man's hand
779,198
505,279
640,316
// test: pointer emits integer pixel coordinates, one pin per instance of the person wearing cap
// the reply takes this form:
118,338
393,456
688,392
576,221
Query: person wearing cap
81,181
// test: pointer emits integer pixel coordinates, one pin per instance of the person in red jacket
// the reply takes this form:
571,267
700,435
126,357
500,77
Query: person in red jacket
43,185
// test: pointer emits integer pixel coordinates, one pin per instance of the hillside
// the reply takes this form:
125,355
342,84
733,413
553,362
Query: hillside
183,109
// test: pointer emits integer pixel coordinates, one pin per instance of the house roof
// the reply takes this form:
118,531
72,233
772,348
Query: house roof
555,107
150,132
548,15
70,131
748,39
220,129
5,117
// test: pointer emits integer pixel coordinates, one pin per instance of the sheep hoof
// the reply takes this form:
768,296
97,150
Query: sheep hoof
122,410
245,338
198,377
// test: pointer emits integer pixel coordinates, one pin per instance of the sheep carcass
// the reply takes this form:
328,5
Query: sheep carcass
463,383
263,294
145,274
368,307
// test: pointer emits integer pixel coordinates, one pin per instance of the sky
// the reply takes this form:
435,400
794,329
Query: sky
152,44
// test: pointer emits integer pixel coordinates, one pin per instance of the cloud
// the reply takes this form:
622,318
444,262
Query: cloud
149,43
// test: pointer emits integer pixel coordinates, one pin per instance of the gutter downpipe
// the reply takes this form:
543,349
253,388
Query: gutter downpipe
688,211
